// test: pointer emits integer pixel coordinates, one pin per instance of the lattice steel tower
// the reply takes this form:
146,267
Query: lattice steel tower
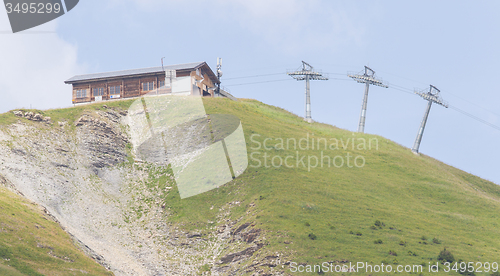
367,78
307,73
433,97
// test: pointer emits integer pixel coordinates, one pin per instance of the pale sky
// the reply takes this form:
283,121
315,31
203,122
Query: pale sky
453,45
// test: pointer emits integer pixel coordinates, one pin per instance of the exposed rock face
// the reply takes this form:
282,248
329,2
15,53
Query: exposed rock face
100,142
78,174
233,257
18,113
37,117
33,116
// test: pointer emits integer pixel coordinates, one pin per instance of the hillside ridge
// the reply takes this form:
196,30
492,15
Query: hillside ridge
80,166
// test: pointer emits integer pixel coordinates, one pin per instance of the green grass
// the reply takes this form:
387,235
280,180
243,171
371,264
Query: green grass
32,244
404,196
9,271
70,114
7,118
391,210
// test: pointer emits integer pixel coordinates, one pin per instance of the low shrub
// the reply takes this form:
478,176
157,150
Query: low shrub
410,253
446,256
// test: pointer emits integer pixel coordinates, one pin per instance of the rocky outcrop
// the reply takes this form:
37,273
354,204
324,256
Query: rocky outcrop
244,254
101,141
83,177
247,242
36,117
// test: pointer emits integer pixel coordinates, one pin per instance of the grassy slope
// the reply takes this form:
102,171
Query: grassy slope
416,197
31,244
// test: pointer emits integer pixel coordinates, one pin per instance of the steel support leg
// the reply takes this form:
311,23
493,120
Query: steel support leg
308,101
362,117
421,130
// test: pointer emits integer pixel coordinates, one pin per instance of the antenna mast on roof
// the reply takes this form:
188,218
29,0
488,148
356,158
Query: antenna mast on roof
219,74
162,64
433,97
307,73
367,78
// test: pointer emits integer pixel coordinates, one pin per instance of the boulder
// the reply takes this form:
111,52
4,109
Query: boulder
47,120
37,117
28,115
